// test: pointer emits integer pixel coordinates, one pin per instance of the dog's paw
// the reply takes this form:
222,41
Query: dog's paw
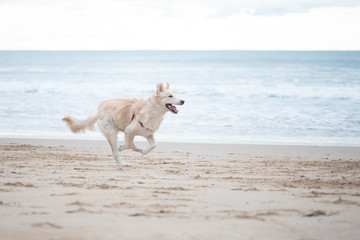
121,148
146,151
138,150
125,164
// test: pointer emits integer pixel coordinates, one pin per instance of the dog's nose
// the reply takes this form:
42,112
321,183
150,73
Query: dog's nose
182,102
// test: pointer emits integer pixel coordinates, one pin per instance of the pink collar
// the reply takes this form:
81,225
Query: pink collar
141,124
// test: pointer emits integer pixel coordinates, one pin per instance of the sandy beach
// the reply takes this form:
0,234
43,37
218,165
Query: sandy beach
74,189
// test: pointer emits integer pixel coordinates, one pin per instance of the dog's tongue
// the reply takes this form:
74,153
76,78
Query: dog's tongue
173,108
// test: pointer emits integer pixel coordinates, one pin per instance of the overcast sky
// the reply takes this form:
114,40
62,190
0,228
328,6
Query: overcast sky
180,24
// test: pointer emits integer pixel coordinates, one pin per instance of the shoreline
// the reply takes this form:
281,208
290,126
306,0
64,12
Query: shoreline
245,141
74,189
336,152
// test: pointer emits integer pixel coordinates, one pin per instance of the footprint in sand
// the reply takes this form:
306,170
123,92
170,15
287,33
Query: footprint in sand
45,224
19,184
83,210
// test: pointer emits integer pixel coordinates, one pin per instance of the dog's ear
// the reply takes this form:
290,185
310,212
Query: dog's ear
159,87
167,86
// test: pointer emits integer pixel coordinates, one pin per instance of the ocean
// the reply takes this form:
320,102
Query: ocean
251,97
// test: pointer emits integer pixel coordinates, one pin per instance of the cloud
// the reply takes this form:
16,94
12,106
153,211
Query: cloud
225,8
185,24
217,8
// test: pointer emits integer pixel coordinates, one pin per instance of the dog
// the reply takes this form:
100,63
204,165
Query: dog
134,117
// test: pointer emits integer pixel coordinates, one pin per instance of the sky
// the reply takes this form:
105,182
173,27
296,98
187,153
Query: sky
179,25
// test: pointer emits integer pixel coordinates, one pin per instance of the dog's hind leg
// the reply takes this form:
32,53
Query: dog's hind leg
129,139
110,131
152,145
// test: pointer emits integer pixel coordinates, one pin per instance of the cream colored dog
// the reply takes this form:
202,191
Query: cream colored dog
134,117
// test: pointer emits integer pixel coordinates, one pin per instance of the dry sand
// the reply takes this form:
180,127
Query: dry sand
63,189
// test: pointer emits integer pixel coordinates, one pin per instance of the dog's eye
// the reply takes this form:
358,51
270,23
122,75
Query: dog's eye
170,96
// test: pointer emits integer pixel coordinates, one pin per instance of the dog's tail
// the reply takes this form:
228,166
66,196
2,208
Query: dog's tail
79,126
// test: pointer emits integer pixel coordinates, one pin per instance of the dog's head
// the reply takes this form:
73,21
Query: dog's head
167,98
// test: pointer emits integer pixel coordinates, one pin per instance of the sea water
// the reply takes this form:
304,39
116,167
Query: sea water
267,97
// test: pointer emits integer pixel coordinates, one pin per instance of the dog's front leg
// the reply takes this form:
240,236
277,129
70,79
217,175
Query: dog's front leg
152,144
129,143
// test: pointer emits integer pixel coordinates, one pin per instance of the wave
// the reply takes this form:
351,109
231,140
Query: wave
219,96
278,91
32,91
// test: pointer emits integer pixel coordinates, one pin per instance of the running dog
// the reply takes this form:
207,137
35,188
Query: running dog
134,117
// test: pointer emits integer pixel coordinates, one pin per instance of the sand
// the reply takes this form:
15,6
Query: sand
74,189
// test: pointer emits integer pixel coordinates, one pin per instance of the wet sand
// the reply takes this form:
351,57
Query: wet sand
74,189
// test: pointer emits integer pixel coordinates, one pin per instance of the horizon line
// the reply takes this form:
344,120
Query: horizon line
109,50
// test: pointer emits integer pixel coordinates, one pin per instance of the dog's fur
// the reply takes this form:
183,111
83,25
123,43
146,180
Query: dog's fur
134,117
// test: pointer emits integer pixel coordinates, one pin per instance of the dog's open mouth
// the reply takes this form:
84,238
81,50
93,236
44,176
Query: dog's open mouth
172,108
